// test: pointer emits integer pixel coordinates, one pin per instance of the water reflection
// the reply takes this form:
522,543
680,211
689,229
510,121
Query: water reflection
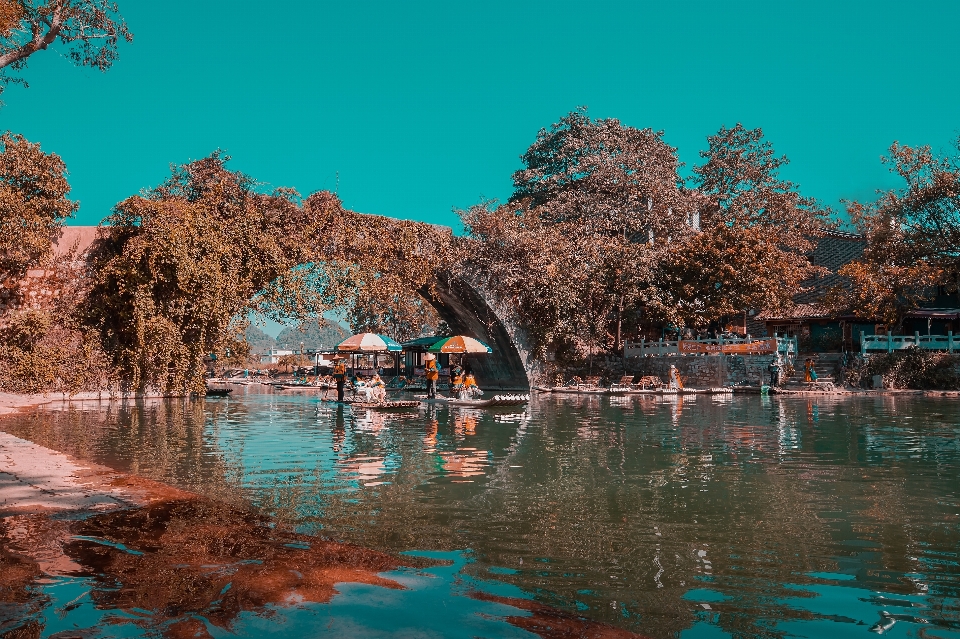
753,516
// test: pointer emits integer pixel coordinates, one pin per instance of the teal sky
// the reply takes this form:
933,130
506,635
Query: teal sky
424,106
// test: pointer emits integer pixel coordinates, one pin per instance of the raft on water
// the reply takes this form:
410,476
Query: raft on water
406,404
496,400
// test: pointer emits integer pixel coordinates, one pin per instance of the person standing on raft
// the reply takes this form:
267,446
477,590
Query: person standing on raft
340,376
432,373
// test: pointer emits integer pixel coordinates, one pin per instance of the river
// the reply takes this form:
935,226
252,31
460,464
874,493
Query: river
691,517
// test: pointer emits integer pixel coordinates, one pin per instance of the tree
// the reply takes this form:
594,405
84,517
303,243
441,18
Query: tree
594,208
913,238
177,270
33,204
90,29
756,232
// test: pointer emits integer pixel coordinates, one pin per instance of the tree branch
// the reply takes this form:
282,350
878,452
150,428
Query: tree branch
40,40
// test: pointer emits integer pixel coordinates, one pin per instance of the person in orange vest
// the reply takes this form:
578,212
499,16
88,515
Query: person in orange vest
340,376
433,374
456,382
470,388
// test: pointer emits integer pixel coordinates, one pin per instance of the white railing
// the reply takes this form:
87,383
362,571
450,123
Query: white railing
787,346
890,343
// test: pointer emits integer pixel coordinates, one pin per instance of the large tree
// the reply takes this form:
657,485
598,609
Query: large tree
177,268
89,29
756,233
594,208
913,237
33,204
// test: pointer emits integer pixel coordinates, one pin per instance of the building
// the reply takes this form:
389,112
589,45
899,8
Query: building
274,355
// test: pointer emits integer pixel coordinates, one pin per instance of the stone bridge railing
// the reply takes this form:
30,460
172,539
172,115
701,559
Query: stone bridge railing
890,343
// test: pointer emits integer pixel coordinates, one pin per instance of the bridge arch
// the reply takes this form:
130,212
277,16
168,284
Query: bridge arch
468,310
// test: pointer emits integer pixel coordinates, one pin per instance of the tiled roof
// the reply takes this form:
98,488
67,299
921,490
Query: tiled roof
833,251
799,311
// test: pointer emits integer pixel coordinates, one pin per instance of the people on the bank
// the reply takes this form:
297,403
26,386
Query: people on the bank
340,376
456,382
378,390
432,372
809,374
470,388
675,383
775,367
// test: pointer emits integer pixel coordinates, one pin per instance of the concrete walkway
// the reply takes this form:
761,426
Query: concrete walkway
36,478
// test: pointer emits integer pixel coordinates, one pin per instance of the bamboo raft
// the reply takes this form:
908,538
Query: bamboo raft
492,402
406,404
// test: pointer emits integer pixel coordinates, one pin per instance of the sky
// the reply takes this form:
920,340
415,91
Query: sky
410,109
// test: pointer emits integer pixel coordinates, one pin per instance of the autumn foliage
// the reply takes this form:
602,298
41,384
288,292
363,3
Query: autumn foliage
913,235
602,233
89,31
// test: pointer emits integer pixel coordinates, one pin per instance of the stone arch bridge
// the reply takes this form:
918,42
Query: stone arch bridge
462,304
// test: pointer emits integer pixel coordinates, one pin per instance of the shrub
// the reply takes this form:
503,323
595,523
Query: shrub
910,368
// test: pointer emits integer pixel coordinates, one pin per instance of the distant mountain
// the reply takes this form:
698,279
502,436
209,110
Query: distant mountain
260,342
323,335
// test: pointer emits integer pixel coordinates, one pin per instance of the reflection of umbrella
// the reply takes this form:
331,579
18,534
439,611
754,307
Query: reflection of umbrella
368,343
459,344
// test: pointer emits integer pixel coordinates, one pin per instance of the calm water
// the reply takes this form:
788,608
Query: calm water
667,517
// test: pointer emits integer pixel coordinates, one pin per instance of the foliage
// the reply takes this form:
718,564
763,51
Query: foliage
91,30
756,232
177,265
721,272
910,368
595,207
33,204
39,353
601,231
913,235
289,362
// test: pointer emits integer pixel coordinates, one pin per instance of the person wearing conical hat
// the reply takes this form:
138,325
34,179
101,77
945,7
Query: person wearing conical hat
433,374
340,376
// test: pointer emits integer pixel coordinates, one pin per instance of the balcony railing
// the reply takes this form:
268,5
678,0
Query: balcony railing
786,346
890,343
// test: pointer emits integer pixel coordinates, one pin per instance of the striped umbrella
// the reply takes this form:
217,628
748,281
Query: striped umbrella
459,344
368,343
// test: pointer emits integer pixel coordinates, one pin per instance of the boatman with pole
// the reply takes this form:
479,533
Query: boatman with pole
340,376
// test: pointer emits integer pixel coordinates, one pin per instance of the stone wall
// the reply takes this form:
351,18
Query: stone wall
705,371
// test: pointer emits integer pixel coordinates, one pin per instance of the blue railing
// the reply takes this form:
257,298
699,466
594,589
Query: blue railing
890,343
